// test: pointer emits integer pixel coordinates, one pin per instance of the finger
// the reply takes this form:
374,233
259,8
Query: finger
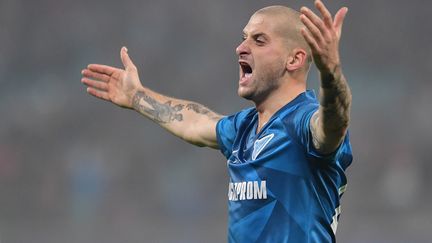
316,21
97,93
102,69
310,40
312,29
93,75
327,17
127,62
339,18
95,84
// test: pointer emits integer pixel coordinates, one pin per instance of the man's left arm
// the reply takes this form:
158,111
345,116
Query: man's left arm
330,123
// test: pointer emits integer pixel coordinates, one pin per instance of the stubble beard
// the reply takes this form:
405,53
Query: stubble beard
260,90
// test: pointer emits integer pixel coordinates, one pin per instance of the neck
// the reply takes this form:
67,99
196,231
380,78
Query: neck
285,93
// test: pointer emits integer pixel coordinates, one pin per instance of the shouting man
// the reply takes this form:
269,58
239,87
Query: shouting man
286,155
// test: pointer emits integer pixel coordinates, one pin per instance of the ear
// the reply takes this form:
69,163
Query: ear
296,60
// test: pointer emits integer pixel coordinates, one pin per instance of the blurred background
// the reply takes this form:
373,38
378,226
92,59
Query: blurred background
77,169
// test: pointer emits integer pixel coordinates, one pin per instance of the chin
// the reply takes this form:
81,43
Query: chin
246,94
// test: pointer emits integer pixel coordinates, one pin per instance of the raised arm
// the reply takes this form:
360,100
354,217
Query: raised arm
330,123
188,120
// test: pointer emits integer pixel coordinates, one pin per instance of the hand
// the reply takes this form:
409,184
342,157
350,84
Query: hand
323,36
113,84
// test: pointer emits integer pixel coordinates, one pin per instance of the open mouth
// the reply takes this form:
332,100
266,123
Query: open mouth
246,69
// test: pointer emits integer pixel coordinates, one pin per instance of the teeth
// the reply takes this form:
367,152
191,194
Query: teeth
248,75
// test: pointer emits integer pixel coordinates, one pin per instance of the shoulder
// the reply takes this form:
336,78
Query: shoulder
302,104
228,127
238,118
300,114
296,121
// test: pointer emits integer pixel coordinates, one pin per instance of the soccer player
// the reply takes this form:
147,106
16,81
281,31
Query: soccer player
286,155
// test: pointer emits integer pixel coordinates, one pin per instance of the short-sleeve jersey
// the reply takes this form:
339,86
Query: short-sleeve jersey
281,188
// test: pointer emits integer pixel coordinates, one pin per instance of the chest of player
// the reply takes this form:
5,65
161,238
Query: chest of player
272,148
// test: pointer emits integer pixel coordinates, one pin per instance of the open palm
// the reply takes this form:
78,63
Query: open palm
323,35
113,84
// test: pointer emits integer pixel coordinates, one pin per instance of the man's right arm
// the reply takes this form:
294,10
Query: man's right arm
188,120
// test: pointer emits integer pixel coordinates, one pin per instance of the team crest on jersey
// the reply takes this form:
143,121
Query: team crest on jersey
234,159
260,144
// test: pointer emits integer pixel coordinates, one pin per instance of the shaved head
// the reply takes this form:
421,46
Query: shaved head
273,54
288,26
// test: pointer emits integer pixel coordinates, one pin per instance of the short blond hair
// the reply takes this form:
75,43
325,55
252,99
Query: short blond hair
290,26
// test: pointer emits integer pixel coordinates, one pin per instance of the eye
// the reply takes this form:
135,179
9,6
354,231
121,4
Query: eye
260,41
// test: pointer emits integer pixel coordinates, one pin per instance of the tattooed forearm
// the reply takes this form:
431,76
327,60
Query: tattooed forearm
329,125
335,101
200,109
158,112
197,108
187,120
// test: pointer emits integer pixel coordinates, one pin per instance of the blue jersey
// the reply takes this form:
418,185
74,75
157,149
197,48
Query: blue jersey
281,188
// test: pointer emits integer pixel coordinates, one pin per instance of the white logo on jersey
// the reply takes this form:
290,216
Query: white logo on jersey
247,190
236,160
260,144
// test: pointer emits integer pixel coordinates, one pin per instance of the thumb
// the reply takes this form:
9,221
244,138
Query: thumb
127,62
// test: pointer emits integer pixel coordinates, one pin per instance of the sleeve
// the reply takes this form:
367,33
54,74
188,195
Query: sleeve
227,129
303,131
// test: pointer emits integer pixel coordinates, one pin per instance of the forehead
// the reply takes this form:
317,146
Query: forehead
262,23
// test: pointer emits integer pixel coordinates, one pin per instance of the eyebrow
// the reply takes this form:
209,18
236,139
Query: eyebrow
256,35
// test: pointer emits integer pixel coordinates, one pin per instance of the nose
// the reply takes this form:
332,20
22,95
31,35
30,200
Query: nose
243,48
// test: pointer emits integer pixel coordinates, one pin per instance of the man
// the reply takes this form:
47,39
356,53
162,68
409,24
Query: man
287,155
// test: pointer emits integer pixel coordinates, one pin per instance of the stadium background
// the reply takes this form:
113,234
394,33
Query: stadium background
76,169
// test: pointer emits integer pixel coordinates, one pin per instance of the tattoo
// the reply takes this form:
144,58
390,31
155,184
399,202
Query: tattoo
167,112
336,103
158,112
197,108
329,125
200,109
